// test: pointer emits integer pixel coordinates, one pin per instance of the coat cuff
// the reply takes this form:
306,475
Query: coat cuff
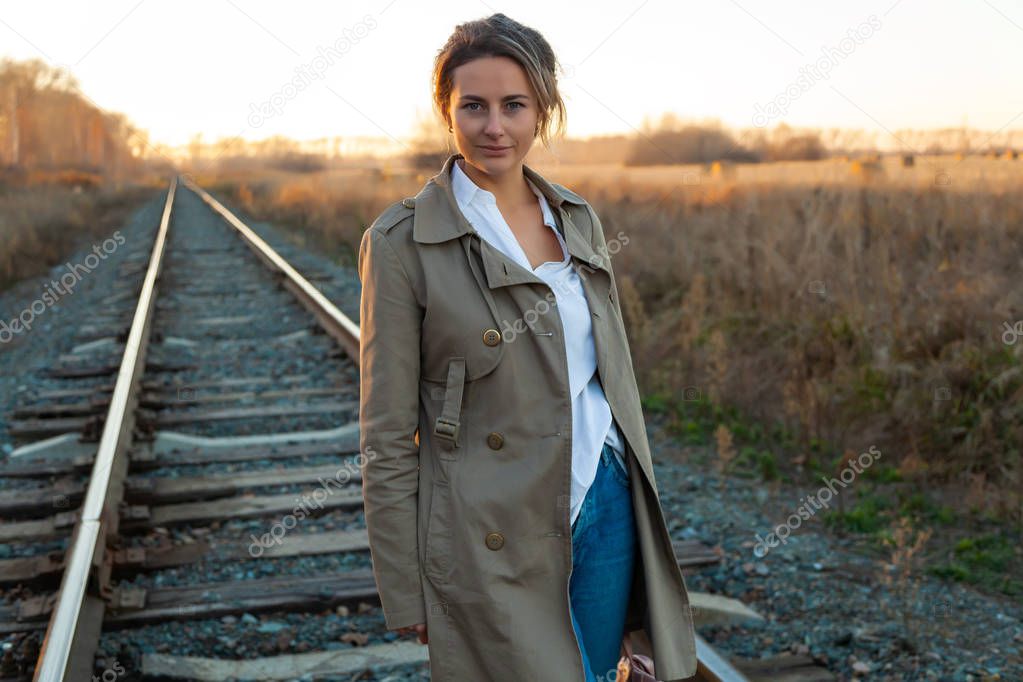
406,617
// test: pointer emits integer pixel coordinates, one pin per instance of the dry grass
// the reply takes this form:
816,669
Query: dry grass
41,225
902,577
725,450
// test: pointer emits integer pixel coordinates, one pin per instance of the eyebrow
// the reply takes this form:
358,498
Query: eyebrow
481,99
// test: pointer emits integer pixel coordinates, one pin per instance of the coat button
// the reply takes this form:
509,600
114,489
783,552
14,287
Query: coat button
409,202
491,337
495,440
495,541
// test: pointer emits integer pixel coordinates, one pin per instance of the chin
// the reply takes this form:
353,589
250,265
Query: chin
495,164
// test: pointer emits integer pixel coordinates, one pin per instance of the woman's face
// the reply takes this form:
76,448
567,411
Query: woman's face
493,114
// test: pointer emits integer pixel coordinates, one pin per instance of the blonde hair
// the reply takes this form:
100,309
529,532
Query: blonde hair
500,36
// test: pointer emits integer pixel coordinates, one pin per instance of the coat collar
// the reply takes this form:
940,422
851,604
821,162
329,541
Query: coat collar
438,219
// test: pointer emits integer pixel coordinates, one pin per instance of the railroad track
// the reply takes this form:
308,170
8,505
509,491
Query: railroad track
147,512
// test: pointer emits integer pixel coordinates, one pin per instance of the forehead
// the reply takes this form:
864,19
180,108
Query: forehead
489,77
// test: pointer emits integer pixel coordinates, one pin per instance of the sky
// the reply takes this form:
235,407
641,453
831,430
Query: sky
228,68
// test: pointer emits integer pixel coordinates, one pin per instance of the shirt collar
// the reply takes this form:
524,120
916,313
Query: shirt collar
466,192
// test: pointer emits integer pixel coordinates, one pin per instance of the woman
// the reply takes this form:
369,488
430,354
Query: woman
510,499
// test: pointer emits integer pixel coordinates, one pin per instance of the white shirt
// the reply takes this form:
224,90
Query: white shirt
592,422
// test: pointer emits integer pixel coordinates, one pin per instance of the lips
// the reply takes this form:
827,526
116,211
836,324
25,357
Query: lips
494,149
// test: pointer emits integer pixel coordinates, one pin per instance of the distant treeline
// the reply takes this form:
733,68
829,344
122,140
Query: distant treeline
701,144
674,141
50,129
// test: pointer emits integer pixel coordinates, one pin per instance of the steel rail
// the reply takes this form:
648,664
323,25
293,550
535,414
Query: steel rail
334,322
711,666
74,626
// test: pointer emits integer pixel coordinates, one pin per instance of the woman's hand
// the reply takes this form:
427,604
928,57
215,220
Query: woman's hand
419,629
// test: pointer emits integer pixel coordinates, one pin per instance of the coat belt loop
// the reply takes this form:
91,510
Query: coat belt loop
446,426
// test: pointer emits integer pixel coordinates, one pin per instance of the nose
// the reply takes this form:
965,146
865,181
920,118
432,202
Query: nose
494,127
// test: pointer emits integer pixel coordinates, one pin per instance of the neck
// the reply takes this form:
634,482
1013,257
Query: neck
508,188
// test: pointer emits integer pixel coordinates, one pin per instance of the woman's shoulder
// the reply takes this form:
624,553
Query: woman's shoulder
400,212
393,215
394,227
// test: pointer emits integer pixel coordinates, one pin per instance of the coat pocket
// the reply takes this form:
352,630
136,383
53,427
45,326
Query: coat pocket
437,554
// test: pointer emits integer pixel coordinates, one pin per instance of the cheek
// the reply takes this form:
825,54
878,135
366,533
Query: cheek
463,121
526,121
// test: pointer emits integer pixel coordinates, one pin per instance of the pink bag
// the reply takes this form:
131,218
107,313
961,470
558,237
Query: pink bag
634,667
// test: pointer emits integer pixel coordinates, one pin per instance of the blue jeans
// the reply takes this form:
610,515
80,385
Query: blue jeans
603,555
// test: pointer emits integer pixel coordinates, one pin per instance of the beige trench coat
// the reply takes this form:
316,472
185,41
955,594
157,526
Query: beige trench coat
465,427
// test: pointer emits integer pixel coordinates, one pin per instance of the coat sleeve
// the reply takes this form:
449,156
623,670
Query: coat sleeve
390,328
